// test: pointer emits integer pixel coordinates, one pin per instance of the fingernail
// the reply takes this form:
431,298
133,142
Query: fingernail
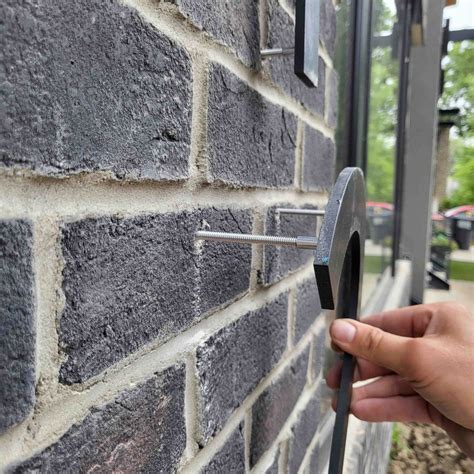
343,331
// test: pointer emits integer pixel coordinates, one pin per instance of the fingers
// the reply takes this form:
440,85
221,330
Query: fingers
372,344
364,370
388,386
411,321
397,408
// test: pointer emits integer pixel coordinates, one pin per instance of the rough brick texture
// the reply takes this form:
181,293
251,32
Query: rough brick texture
308,307
327,25
89,86
319,352
231,457
273,468
140,430
281,33
232,362
274,406
17,322
281,261
251,142
332,94
234,24
318,161
303,433
130,281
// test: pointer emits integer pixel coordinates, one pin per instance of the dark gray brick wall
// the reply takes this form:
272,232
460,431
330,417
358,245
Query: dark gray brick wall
319,352
327,19
232,362
130,281
251,142
234,24
275,405
281,34
273,468
303,433
332,93
17,322
140,430
231,457
318,161
88,86
281,261
308,307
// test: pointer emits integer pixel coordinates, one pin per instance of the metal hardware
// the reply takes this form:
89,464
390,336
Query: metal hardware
303,212
338,267
266,53
307,41
297,242
306,50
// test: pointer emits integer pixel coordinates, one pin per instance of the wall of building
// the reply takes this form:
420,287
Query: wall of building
125,345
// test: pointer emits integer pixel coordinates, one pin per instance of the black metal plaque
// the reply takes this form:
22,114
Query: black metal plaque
307,41
339,270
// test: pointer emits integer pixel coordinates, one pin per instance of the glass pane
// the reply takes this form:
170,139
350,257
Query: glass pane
381,141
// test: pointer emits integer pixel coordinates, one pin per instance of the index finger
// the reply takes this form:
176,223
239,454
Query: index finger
408,322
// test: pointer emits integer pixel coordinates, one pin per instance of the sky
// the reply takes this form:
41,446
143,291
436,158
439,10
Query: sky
461,15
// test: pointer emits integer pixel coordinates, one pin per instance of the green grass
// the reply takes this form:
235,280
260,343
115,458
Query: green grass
461,271
372,264
458,271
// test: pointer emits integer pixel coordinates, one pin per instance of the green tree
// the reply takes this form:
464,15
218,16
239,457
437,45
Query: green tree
459,92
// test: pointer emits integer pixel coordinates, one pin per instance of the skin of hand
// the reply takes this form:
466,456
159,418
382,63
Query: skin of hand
423,360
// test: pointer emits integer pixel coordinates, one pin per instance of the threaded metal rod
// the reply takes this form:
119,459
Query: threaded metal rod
265,53
297,242
303,212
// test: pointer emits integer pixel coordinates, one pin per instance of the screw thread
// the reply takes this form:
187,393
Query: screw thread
306,242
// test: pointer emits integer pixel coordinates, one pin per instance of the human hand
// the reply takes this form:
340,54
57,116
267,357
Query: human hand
424,358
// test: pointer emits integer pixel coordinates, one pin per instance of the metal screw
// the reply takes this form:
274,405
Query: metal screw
297,242
265,53
303,212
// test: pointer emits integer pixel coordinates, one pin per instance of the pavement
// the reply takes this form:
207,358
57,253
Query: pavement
460,291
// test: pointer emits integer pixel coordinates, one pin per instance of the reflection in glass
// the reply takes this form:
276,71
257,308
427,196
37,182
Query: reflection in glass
381,141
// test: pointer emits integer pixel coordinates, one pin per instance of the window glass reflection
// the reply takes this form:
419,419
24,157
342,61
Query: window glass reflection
381,141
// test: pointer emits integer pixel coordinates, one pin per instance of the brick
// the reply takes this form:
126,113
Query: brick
332,93
318,161
231,457
281,70
281,261
17,322
273,468
233,24
308,307
234,360
131,281
320,350
303,433
141,430
327,25
251,142
275,405
89,86
320,456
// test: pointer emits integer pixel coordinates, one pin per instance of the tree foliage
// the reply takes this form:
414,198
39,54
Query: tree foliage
459,92
382,113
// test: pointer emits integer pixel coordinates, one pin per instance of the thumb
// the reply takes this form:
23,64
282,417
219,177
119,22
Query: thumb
370,343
